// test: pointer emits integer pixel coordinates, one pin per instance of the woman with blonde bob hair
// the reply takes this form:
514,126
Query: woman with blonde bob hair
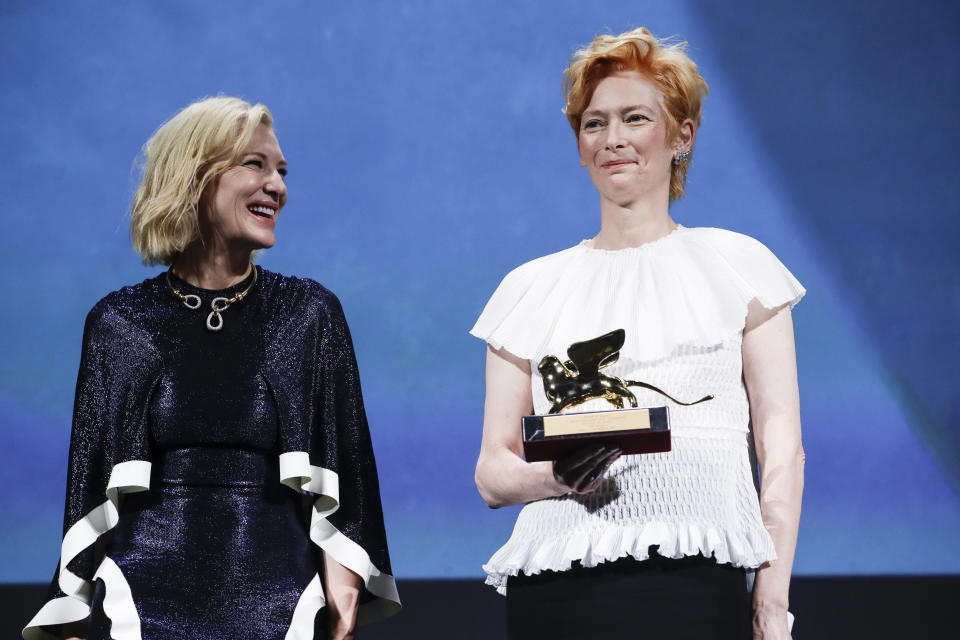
660,544
221,480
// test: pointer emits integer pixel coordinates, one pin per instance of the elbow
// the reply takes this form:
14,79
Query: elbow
483,486
799,459
801,462
492,501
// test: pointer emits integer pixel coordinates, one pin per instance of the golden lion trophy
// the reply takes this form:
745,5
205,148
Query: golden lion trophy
579,379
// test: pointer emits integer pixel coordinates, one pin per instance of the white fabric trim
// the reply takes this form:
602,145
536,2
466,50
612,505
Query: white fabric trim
311,601
118,602
354,557
297,473
57,611
126,477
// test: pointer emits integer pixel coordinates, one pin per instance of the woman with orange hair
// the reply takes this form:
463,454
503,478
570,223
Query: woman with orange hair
659,545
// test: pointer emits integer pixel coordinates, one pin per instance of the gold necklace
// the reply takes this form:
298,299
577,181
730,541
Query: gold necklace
217,305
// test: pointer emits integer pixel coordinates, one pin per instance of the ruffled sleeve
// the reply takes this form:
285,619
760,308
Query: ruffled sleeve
763,276
691,287
327,451
108,457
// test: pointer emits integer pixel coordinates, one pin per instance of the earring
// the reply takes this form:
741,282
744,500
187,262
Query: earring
681,157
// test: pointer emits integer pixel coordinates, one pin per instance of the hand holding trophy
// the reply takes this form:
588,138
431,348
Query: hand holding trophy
582,468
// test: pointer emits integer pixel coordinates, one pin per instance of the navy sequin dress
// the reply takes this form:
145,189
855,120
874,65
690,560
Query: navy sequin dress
209,469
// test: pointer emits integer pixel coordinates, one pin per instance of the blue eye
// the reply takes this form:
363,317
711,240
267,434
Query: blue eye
253,163
282,172
592,124
636,117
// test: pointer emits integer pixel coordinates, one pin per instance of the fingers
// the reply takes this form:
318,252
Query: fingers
582,469
583,455
592,480
573,467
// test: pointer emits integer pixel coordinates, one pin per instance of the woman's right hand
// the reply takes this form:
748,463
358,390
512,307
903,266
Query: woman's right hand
503,477
582,469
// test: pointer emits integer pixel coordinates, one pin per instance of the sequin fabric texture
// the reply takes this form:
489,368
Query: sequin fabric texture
218,547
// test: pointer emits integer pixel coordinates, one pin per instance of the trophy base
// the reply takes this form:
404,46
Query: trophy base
634,431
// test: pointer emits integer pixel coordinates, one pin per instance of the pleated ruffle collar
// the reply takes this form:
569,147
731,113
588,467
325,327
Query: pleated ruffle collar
690,287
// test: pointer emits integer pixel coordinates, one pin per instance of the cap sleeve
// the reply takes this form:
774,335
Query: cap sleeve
756,270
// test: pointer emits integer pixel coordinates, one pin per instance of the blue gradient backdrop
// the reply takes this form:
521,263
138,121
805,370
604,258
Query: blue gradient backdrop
429,156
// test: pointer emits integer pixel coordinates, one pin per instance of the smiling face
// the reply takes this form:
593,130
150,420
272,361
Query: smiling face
239,209
623,140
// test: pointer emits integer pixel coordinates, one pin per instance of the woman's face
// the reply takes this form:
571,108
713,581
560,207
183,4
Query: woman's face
241,206
623,140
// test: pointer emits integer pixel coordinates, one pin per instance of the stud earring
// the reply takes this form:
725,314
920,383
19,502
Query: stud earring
681,157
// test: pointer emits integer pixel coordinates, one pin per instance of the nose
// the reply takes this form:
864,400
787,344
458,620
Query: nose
275,187
614,139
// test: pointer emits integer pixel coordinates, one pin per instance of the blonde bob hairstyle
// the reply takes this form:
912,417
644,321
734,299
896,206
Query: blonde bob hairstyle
187,153
664,63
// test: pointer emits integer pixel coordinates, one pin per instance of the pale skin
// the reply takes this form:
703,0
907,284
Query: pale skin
624,145
233,224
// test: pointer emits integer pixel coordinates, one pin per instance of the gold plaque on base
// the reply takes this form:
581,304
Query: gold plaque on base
633,431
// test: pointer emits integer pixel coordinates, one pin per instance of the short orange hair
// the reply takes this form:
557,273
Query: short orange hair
666,64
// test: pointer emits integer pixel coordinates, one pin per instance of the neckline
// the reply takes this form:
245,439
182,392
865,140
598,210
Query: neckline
646,246
185,287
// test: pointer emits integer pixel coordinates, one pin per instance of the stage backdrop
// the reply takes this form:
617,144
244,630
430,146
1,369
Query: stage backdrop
429,156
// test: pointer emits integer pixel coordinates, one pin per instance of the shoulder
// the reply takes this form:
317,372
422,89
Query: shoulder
125,319
529,272
308,295
740,251
728,256
725,239
125,305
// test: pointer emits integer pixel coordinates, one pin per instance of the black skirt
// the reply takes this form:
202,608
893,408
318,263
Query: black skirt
692,597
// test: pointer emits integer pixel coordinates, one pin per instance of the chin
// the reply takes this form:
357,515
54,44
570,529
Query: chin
263,242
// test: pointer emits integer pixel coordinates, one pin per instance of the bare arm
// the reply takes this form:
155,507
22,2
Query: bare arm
503,477
770,375
343,595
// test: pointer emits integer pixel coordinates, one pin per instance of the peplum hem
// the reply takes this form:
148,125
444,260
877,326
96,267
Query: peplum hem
749,550
689,288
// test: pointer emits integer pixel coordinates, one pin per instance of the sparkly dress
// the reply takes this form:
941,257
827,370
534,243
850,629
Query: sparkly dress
209,468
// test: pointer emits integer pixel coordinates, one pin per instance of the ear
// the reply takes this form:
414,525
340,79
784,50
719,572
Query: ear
685,136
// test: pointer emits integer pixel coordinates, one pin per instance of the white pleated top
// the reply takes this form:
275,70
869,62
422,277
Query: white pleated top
683,301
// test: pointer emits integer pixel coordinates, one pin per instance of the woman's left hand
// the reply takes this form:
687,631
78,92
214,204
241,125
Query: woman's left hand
338,632
343,595
770,623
